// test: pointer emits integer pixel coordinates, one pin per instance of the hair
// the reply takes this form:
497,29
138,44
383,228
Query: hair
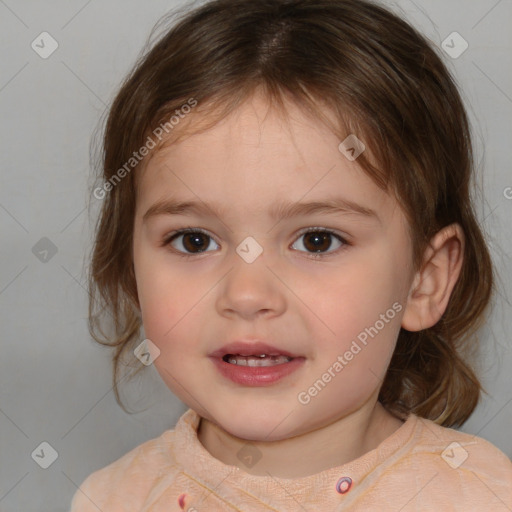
384,82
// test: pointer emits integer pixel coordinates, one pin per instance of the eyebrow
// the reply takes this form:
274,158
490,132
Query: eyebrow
280,211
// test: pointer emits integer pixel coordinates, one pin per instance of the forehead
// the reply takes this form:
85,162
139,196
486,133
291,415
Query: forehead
257,153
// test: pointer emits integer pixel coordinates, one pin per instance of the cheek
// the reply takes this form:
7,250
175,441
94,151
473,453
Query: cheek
358,294
172,315
160,299
363,308
165,324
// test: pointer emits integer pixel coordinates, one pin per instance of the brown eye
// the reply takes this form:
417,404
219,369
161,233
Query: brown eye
191,242
319,241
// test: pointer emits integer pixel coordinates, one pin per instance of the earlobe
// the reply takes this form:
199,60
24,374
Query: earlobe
433,284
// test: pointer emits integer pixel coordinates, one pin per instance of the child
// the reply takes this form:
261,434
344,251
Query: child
286,210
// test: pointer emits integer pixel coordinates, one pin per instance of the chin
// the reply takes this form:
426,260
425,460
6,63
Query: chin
263,424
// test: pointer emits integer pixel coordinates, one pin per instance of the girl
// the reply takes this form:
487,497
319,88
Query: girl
286,211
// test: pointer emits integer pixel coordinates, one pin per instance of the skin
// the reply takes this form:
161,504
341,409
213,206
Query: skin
314,307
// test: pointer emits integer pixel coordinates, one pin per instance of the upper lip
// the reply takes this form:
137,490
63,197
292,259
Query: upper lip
250,348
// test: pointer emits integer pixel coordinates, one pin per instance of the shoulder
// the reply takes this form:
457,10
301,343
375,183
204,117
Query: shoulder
466,464
459,448
126,483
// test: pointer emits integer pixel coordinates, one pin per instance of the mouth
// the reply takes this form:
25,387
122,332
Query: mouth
261,360
252,353
255,363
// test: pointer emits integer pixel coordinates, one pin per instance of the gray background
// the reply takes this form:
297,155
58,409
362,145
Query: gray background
55,382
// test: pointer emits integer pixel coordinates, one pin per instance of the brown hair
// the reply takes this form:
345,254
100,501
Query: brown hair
385,83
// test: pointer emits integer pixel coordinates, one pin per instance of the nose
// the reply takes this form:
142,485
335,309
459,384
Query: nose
250,291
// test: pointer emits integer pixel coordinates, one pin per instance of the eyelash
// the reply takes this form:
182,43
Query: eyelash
171,237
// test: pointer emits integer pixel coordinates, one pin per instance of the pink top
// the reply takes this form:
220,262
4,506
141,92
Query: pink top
420,467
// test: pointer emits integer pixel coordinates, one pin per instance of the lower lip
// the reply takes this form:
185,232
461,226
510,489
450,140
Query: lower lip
257,375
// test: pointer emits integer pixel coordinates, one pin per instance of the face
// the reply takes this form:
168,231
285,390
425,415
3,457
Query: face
265,273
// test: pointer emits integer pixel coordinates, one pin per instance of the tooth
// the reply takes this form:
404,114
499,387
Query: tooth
254,361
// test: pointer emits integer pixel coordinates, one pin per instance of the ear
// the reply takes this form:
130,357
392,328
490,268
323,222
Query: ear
434,282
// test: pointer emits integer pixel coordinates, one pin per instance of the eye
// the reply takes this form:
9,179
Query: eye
319,240
315,241
191,241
